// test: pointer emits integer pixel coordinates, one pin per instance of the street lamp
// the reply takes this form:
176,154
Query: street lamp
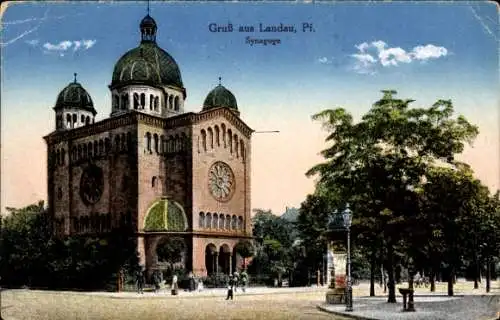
347,216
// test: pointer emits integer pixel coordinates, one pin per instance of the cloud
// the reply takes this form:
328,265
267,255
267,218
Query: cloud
370,55
63,46
325,60
33,42
22,35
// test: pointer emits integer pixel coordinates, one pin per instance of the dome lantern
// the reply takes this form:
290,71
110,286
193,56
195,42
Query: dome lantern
148,29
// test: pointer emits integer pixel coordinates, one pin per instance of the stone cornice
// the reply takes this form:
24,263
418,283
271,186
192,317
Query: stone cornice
134,117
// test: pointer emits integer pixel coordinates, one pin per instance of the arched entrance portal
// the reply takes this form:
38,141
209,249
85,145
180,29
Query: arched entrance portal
211,254
225,259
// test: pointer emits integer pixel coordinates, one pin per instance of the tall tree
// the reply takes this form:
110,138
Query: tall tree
385,156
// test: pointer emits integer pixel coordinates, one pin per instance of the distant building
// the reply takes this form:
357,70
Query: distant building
150,167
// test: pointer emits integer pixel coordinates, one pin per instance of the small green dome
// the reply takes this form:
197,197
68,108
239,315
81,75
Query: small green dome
75,96
220,97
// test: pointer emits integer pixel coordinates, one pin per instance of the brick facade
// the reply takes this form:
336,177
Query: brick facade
137,173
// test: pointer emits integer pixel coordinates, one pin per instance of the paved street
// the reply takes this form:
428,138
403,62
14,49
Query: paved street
25,304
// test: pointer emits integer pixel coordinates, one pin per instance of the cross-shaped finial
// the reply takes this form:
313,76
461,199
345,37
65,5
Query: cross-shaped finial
148,7
220,81
75,76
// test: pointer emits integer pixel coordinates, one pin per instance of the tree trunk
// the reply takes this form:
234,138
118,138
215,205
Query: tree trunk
451,277
432,278
488,274
382,275
372,274
477,274
390,270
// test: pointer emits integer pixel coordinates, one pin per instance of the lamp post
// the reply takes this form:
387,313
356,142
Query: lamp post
347,216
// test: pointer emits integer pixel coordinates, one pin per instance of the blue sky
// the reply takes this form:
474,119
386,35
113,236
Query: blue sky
426,51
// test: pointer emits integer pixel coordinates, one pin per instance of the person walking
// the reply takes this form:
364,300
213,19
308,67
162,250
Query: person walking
175,286
140,281
230,287
244,280
236,279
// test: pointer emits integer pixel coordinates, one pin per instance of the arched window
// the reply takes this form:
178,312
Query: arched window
148,141
215,221
234,223
153,182
240,223
84,151
155,138
82,118
73,154
143,100
74,120
117,143
96,149
236,149
204,139
208,220
217,136
166,101
129,141
221,221
201,220
242,150
176,104
183,142
116,101
163,144
171,102
107,145
170,144
89,149
68,121
136,101
79,152
124,142
156,104
210,138
151,101
177,143
228,222
230,140
87,120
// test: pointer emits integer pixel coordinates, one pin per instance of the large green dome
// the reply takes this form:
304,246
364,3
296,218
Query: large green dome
220,97
148,63
75,96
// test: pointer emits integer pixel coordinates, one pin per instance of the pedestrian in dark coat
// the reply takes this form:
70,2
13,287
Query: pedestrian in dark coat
230,287
140,281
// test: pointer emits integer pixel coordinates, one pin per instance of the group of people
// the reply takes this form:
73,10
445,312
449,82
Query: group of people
233,282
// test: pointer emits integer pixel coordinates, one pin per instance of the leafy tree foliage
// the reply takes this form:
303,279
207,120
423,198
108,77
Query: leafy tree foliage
32,257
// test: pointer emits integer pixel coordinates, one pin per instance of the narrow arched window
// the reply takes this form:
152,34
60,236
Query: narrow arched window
236,149
221,221
242,150
170,144
163,144
84,151
201,220
156,103
177,144
116,101
215,221
240,223
230,140
208,220
210,138
228,222
155,138
234,223
82,118
68,121
204,139
87,120
89,149
107,145
74,120
136,101
153,182
143,100
151,101
217,136
184,142
171,102
148,141
96,149
117,143
176,104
